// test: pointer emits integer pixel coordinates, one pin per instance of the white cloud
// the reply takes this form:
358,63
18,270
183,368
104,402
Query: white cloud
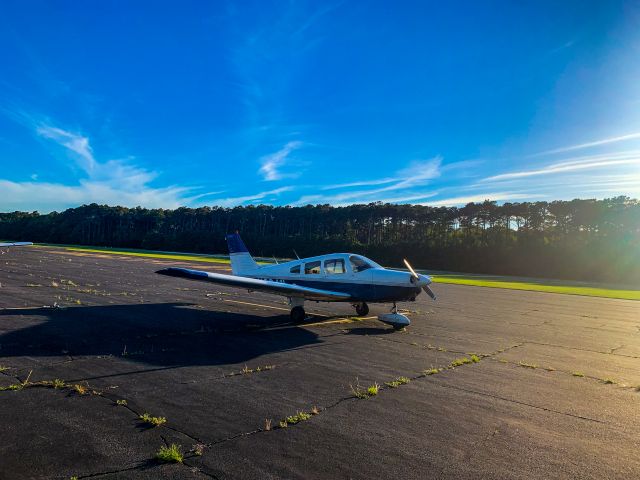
273,162
364,183
72,141
114,182
46,197
235,201
572,165
417,174
596,143
477,198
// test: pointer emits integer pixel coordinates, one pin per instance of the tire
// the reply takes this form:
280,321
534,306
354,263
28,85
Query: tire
362,309
298,314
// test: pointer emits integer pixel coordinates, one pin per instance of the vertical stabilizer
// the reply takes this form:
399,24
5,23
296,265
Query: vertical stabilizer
242,263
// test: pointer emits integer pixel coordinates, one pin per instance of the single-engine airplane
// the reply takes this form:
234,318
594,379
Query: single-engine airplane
337,277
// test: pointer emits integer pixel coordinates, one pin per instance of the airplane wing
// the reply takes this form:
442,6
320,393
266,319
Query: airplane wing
15,244
268,286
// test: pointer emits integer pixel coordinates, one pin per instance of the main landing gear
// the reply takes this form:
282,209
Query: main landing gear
362,309
298,314
297,311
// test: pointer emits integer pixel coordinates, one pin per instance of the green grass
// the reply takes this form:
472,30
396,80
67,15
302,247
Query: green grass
360,392
458,362
372,390
528,365
577,374
166,256
432,371
155,421
171,454
551,286
298,417
397,382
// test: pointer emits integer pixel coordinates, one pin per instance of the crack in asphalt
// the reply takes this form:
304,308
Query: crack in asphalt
579,349
498,397
612,352
138,466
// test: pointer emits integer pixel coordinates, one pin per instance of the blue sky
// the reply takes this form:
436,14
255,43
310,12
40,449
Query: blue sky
163,104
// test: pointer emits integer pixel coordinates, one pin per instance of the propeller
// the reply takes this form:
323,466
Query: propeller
416,278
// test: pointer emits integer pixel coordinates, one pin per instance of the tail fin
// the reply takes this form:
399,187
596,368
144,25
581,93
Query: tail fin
241,260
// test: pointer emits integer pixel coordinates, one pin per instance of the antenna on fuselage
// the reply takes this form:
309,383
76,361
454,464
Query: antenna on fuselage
294,251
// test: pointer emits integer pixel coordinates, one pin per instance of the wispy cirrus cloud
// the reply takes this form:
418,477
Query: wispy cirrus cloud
74,142
417,174
596,143
272,163
477,198
573,165
242,200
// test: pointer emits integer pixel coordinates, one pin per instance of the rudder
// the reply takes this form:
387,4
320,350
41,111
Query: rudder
241,260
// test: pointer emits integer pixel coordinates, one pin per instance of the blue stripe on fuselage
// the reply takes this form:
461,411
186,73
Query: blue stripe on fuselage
364,292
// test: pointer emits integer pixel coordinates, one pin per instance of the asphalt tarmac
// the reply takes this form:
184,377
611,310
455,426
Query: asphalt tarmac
552,390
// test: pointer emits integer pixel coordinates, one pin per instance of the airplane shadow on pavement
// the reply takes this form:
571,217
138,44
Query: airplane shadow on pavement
159,334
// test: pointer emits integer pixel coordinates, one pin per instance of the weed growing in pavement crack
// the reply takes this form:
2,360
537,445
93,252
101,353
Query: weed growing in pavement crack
57,383
198,449
528,365
459,362
121,402
577,374
170,454
155,421
297,418
358,391
372,390
432,371
80,389
397,382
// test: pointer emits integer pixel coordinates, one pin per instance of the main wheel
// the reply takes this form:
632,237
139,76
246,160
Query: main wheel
362,309
298,314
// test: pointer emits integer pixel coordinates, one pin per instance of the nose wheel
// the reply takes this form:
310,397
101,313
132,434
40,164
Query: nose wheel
362,309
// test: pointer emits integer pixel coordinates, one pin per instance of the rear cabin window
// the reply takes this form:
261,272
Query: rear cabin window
312,268
358,264
295,269
334,266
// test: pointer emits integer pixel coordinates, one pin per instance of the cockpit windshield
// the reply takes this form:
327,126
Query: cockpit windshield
360,264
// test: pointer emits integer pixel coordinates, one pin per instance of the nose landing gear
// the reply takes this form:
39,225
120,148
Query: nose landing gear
395,319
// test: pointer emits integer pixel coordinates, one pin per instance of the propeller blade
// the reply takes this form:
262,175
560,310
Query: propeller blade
413,272
429,292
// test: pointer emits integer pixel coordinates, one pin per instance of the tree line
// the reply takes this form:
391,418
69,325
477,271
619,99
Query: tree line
592,240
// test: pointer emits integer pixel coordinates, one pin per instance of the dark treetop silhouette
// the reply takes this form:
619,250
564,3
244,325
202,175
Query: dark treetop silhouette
594,240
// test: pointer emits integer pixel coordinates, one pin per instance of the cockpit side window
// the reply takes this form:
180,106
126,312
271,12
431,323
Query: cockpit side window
359,264
335,265
312,268
295,269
